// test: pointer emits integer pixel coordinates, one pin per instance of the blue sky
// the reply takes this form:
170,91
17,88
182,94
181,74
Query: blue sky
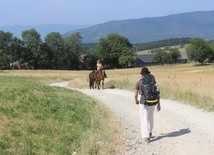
88,12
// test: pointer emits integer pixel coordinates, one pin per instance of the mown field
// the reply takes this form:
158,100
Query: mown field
39,119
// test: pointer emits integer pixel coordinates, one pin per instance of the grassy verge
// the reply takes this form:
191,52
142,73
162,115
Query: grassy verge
39,119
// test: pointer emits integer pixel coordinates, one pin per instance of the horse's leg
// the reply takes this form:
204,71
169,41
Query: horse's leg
91,86
98,85
103,84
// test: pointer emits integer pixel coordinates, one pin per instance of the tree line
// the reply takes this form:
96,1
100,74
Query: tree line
69,53
64,53
198,51
55,52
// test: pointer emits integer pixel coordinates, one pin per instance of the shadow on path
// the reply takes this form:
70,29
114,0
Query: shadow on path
172,134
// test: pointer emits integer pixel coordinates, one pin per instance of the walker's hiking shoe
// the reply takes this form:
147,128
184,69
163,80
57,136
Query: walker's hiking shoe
146,140
150,136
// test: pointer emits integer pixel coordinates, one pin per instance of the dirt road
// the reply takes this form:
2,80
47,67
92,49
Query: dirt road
180,129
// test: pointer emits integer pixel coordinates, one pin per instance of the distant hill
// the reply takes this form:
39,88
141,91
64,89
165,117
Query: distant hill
17,30
194,24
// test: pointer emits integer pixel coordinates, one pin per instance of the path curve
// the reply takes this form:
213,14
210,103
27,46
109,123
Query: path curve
180,129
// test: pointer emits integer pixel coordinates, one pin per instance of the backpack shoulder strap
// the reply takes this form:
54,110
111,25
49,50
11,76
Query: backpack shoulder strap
151,78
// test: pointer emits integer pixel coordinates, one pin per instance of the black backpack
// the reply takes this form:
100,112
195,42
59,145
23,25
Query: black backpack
149,91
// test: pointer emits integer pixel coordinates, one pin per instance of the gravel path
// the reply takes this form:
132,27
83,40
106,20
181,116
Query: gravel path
180,129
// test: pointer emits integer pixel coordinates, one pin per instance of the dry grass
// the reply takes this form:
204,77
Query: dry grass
111,140
181,82
191,84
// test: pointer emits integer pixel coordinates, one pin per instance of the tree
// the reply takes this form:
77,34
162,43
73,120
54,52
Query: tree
90,61
74,48
126,57
56,51
111,48
4,62
45,59
161,57
211,58
32,43
199,51
16,50
5,41
174,55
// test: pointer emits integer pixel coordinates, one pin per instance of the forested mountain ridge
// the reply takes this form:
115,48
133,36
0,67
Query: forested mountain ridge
194,24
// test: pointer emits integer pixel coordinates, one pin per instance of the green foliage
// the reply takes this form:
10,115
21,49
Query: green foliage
32,43
111,48
5,40
126,57
114,50
174,55
16,49
4,62
90,62
161,56
55,44
89,47
5,43
31,37
74,49
211,58
199,51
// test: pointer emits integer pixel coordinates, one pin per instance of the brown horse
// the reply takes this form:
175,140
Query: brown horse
92,79
99,78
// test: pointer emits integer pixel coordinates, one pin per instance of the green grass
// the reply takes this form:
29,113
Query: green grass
39,119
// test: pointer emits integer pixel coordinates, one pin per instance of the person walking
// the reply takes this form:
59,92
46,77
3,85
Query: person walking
147,105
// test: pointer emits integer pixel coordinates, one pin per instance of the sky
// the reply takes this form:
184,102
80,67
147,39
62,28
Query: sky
89,12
